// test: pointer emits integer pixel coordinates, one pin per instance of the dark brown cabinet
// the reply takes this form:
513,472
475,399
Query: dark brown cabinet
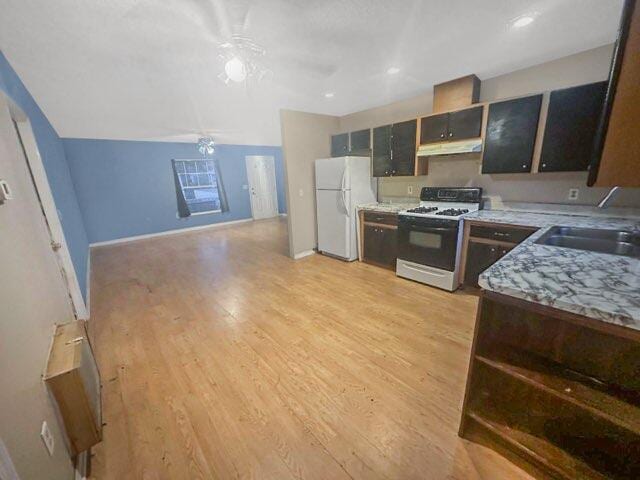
394,149
485,244
380,245
403,148
381,154
571,125
554,392
481,256
433,129
340,145
465,123
360,143
355,143
458,125
512,127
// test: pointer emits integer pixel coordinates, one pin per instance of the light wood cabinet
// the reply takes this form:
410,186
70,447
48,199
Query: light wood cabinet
616,160
73,378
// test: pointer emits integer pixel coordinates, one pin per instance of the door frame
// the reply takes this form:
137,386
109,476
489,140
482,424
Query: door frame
272,174
33,158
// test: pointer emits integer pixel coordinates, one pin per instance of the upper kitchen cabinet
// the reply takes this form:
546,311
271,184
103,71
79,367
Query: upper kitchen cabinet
394,149
572,121
510,137
458,125
360,143
616,159
403,148
465,123
381,155
434,128
340,145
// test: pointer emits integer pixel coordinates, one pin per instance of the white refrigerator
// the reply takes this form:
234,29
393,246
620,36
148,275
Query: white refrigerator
342,183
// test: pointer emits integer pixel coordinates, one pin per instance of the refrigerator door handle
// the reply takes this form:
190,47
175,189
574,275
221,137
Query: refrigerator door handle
344,202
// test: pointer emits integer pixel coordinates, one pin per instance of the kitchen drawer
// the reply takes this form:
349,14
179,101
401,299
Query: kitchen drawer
501,234
381,217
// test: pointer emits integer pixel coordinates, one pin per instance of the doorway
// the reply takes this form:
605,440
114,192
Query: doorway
43,193
261,173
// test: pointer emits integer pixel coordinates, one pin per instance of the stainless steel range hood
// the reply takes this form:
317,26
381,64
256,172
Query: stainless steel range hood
473,145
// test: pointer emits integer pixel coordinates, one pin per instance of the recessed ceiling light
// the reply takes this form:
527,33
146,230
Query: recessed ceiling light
393,70
328,95
522,21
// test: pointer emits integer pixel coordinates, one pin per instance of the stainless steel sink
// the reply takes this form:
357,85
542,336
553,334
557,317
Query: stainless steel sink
617,242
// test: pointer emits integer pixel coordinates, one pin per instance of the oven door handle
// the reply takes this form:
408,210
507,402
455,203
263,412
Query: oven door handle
422,228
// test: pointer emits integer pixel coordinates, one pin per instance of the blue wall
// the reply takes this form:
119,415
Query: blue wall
125,188
55,164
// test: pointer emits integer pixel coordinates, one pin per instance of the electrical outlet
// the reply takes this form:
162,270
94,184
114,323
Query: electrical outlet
409,189
573,193
301,192
47,438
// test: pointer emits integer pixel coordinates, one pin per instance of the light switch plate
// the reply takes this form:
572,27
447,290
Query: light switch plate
5,191
47,438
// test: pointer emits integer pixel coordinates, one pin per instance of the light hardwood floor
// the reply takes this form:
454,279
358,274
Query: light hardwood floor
222,358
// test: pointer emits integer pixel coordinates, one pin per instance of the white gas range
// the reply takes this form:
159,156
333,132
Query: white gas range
430,237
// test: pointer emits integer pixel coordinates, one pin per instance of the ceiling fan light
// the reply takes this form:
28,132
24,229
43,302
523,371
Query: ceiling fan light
236,70
206,146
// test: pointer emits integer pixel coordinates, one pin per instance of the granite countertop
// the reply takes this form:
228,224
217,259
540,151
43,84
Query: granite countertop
387,207
597,285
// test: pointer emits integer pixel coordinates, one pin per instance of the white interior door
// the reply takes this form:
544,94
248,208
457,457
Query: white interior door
261,173
54,227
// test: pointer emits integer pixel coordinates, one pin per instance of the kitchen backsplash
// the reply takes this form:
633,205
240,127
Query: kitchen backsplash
464,171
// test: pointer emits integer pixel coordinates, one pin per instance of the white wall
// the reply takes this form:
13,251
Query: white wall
589,66
305,138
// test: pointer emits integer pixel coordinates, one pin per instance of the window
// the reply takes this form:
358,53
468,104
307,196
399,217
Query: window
199,183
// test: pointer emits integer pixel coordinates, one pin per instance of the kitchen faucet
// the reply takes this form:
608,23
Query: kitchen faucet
604,203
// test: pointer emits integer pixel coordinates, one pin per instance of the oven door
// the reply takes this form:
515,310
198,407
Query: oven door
428,241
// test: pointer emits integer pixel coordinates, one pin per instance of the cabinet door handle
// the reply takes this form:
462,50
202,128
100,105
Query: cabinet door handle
500,234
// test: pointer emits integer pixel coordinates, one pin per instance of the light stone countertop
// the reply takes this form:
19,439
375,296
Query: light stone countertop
602,286
386,207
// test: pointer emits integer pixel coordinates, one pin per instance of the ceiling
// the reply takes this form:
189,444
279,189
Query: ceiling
147,69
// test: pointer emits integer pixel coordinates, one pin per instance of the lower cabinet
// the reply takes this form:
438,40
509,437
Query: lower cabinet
554,392
485,244
481,256
380,245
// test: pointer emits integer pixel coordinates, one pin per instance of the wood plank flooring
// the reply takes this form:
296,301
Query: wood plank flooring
221,358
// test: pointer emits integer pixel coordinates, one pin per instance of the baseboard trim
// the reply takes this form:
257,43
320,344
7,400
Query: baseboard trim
168,232
81,465
88,285
306,253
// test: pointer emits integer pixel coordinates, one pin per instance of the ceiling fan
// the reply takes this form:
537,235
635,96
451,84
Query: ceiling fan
227,24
